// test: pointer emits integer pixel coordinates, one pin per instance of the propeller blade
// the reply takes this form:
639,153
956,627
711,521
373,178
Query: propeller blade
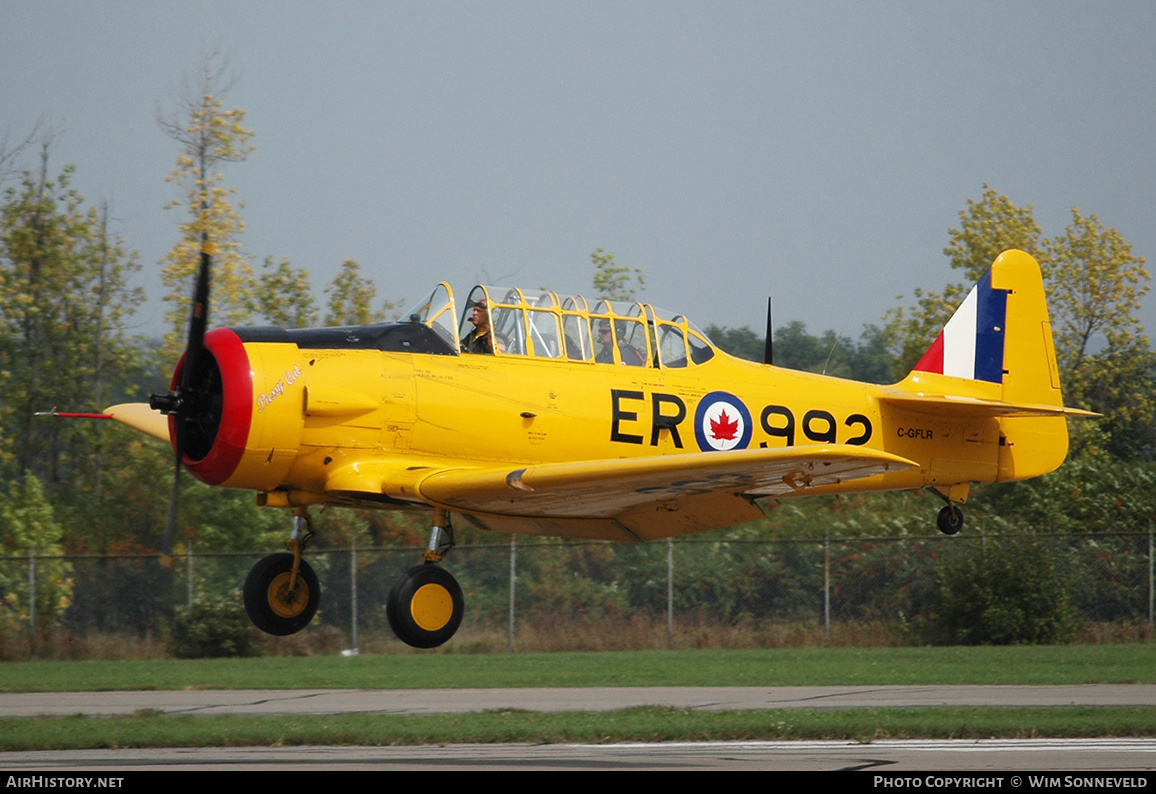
198,320
194,347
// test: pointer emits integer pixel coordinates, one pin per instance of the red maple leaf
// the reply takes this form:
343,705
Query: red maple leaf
724,429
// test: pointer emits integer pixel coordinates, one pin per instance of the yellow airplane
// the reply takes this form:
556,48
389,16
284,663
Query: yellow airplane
545,414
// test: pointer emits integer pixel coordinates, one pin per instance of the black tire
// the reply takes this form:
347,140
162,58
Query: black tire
950,520
270,604
425,606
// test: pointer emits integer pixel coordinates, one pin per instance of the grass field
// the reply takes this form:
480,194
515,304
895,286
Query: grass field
651,724
1063,664
1070,664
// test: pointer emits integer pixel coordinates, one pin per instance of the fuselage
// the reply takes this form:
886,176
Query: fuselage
355,415
313,410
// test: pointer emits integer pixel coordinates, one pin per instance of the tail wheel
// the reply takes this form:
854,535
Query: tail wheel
274,606
425,606
950,520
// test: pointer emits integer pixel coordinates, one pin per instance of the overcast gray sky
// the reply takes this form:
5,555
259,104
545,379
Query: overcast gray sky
817,152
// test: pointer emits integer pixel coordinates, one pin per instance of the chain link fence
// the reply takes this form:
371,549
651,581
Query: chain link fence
534,594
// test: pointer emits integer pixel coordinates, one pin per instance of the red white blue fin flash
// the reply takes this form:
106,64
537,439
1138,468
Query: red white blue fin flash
971,344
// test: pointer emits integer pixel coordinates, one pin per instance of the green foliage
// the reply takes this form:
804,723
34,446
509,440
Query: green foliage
582,580
28,528
987,228
209,136
738,583
797,349
284,297
739,342
217,626
1095,286
868,360
351,298
216,519
1001,592
1087,495
615,282
830,354
128,513
64,300
1106,363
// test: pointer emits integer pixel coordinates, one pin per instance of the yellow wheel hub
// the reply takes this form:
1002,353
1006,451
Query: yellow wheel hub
284,602
432,606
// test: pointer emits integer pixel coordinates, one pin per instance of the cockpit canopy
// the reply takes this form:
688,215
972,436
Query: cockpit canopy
543,324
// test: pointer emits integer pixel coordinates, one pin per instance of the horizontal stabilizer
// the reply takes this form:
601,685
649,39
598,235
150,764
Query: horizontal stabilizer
947,405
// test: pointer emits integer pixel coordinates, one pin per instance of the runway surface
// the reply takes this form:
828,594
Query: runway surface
1009,761
1087,756
440,701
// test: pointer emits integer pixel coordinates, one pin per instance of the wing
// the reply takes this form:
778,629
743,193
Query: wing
645,498
617,499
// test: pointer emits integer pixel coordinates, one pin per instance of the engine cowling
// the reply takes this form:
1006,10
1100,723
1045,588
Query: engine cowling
243,427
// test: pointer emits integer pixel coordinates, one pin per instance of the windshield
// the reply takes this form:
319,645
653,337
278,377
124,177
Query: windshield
437,311
508,321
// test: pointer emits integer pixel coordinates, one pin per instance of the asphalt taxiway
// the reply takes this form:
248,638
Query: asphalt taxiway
441,701
1007,758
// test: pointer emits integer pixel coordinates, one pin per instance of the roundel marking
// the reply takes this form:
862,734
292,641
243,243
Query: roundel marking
722,422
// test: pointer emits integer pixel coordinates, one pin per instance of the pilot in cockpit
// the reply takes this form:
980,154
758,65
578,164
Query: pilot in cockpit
626,351
481,339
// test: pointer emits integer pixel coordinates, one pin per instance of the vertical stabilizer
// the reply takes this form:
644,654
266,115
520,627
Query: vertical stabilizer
1001,334
999,345
1031,373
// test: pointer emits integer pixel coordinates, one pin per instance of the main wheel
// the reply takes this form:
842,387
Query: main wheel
950,520
425,606
271,604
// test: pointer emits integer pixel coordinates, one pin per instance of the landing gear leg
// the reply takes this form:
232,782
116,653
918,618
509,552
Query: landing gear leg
425,604
950,518
441,537
282,592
